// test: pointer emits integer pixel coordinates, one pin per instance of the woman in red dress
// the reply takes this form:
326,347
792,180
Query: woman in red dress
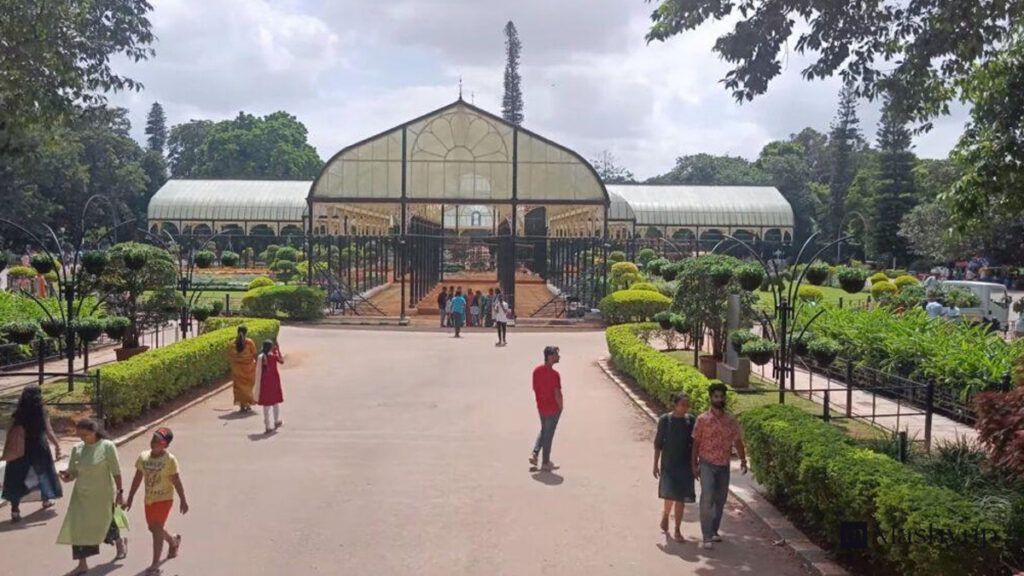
268,384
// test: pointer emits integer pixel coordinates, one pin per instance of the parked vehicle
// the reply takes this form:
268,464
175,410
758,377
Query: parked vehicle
995,301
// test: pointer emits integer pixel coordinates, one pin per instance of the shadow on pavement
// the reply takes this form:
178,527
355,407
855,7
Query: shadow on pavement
549,478
262,436
236,415
37,517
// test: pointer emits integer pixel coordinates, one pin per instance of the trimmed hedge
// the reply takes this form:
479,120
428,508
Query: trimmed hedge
633,306
659,374
260,282
294,302
812,468
215,323
148,380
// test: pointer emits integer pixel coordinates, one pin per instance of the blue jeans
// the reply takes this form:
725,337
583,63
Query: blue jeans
546,436
714,489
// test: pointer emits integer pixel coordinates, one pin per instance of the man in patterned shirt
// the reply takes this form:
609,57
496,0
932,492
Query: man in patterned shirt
714,435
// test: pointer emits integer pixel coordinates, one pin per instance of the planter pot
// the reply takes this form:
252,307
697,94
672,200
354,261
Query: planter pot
126,353
760,358
709,366
22,337
824,359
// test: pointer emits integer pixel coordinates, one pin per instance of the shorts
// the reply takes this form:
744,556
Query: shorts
157,512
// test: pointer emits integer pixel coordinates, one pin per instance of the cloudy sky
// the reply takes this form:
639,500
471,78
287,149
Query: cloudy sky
351,68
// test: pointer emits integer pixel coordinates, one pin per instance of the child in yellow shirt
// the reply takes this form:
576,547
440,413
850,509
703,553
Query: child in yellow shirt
159,468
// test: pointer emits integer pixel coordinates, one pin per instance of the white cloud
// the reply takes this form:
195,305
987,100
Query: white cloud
351,68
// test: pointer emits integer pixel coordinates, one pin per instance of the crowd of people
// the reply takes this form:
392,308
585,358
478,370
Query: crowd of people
474,309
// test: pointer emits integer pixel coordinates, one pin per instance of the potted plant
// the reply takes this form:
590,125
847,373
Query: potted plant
205,258
229,258
759,351
52,327
89,329
750,276
740,337
824,350
721,275
42,263
20,331
799,343
95,262
664,319
117,327
817,273
140,295
851,279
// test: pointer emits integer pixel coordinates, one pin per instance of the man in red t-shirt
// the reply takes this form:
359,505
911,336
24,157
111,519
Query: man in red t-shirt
547,387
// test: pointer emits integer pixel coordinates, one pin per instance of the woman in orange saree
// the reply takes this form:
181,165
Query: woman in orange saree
242,357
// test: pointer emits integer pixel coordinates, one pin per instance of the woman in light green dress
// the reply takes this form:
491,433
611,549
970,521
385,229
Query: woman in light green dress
95,470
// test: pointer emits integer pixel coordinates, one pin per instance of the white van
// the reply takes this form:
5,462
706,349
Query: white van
995,301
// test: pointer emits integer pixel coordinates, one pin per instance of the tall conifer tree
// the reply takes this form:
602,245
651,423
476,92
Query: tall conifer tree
512,103
845,141
895,192
156,128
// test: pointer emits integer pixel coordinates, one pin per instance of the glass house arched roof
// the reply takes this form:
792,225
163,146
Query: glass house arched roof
230,200
704,206
619,209
458,154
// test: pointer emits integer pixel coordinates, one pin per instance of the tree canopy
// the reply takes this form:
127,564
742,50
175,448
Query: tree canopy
609,170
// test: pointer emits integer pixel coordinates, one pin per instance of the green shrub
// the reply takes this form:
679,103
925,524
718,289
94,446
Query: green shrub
632,306
117,327
645,286
270,254
810,294
851,279
679,324
229,258
721,274
20,331
670,271
158,376
284,270
878,277
95,261
260,282
759,350
287,254
218,322
655,266
883,289
205,258
42,263
616,256
645,256
894,273
962,298
824,350
817,273
623,275
89,329
750,276
21,272
659,374
53,327
737,338
815,471
904,281
664,319
293,302
202,311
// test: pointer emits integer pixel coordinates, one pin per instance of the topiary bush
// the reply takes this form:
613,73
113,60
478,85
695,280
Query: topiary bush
205,258
904,281
134,257
95,261
817,273
645,286
655,266
623,275
883,289
721,275
42,263
669,272
824,350
260,282
52,327
292,302
160,375
21,272
117,327
288,254
679,324
851,279
759,350
810,294
750,276
284,270
664,319
202,311
878,277
632,306
89,329
646,256
616,256
20,331
229,258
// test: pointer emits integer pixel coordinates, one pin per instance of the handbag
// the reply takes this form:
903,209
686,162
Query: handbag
121,518
14,446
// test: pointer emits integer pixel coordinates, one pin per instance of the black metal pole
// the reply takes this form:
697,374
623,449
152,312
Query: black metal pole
784,310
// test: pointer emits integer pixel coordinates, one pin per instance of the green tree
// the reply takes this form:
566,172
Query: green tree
918,51
138,294
844,142
933,177
785,163
815,147
894,194
156,129
703,301
609,171
709,170
185,147
928,229
512,102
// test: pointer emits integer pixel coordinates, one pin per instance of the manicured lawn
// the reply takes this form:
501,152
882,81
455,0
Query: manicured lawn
832,296
762,392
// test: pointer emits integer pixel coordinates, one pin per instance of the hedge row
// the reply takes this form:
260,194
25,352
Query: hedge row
659,374
150,379
633,306
810,466
215,323
292,302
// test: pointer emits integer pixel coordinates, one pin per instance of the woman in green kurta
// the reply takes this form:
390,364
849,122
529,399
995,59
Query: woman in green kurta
95,470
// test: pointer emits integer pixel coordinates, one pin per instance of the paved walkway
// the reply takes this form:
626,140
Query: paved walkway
405,453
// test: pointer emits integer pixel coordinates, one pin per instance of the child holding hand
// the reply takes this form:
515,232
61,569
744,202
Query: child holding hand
159,468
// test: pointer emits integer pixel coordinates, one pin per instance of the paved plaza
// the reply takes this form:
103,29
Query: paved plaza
406,453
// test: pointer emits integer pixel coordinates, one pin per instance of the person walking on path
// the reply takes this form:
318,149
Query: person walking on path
96,471
487,307
547,388
458,312
160,470
268,388
33,468
715,434
474,308
442,303
673,464
242,356
501,313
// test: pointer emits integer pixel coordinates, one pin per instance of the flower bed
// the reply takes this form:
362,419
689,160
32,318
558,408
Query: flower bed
158,376
823,478
659,374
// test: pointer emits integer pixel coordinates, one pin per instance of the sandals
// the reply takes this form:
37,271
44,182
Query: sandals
15,517
48,504
122,550
172,550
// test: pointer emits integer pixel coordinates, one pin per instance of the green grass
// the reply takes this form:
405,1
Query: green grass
56,391
832,296
762,392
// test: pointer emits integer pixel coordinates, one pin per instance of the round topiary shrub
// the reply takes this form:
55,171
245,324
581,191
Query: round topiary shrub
720,275
670,271
902,282
851,279
42,263
20,331
89,329
750,276
260,282
759,351
632,306
117,327
878,277
287,253
21,272
810,294
883,289
52,327
824,350
646,256
616,256
95,261
817,273
664,319
202,311
679,324
270,254
205,258
738,338
623,275
644,286
229,258
656,266
284,270
217,306
135,259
